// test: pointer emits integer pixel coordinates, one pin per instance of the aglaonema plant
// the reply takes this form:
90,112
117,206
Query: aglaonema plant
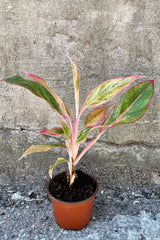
130,107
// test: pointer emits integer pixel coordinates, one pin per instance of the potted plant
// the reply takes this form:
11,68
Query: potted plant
73,191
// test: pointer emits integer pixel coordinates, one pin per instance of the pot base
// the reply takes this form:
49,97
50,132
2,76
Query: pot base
73,215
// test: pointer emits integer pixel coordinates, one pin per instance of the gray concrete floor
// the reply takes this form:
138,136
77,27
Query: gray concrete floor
26,214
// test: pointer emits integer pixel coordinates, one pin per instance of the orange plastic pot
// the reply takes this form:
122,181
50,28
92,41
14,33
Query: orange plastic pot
73,215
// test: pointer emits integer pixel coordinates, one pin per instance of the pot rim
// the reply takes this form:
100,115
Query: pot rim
77,202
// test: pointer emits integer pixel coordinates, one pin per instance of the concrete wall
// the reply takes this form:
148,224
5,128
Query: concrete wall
106,39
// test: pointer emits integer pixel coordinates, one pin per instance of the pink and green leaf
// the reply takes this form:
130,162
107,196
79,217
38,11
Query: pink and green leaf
106,91
38,79
76,79
41,148
37,89
95,116
59,160
67,110
132,105
83,134
66,129
53,131
44,84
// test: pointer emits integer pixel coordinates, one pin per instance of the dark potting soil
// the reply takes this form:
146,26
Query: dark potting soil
82,188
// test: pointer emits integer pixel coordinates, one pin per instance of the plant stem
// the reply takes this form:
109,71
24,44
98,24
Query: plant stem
93,141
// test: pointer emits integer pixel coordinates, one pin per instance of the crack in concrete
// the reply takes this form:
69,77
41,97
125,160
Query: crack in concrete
127,144
20,129
124,144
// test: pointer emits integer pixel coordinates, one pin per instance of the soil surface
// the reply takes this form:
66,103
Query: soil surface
83,187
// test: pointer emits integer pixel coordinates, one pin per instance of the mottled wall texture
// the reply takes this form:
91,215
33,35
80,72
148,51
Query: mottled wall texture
106,39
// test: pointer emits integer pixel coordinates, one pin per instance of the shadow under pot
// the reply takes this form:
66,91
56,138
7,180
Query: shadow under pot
72,207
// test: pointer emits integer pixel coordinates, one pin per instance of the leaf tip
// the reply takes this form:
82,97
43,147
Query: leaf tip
41,132
21,157
152,81
70,59
29,74
72,63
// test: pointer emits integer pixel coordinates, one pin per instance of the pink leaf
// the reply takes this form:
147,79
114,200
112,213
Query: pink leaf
38,79
95,116
52,132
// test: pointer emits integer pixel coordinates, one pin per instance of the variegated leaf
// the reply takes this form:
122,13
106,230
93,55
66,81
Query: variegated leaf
83,134
132,105
106,91
41,148
76,85
67,110
38,79
43,83
59,160
52,132
66,129
95,116
37,89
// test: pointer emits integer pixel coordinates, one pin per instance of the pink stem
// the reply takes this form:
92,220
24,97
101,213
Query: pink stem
93,141
87,148
76,129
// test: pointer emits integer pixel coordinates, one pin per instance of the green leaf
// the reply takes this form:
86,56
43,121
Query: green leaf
95,116
41,148
107,90
67,110
66,129
59,160
76,79
37,89
132,105
83,134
